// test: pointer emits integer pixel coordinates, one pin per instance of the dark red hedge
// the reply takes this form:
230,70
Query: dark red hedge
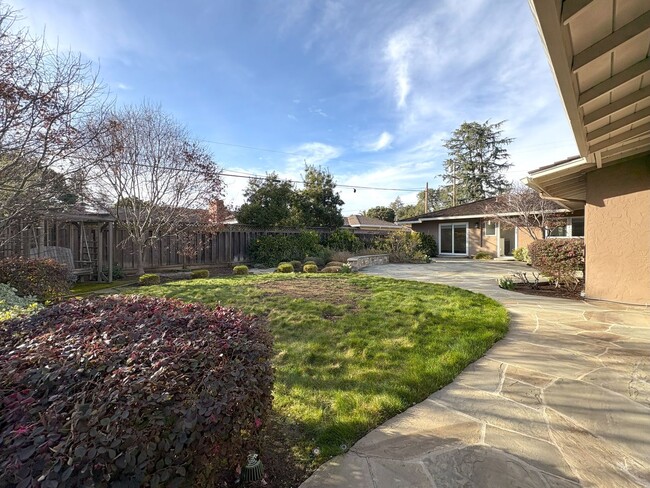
130,391
558,258
46,279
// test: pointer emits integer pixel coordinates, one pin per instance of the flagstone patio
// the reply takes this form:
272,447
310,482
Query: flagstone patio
562,401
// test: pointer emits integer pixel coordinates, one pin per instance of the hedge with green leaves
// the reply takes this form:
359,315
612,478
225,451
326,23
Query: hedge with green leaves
131,391
199,273
559,259
272,249
241,269
45,279
149,279
344,240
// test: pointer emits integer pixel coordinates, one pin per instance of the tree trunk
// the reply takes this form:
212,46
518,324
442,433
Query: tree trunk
139,257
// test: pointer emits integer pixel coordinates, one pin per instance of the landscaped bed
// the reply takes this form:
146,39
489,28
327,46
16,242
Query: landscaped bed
351,351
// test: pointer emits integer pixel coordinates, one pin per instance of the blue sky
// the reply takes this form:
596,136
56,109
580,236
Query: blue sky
367,88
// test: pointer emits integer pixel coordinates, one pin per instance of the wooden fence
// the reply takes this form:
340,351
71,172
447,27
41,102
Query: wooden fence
229,246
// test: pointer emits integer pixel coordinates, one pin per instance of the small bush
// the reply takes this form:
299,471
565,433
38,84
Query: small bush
13,306
344,240
484,255
402,247
131,391
149,279
428,244
310,268
297,266
199,273
284,268
346,268
331,269
334,263
506,282
241,269
272,249
44,279
118,272
559,259
317,260
521,254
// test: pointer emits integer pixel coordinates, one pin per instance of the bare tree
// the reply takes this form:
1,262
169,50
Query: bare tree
46,99
152,176
522,207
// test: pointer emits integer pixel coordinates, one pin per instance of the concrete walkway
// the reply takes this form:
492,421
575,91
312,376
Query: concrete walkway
562,401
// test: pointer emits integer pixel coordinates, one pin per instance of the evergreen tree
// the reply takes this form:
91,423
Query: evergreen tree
382,213
268,202
478,157
317,204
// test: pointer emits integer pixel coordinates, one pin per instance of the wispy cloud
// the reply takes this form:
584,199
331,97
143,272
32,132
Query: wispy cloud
318,111
383,142
312,153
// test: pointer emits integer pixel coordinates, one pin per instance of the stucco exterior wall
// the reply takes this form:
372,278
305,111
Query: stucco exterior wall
617,233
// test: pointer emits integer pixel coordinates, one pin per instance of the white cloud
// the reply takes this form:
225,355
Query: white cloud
123,86
292,117
318,111
383,142
397,53
313,153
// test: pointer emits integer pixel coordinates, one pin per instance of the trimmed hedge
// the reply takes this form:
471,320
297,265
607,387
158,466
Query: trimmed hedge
559,259
199,273
344,240
334,263
131,391
310,268
45,279
297,266
241,269
484,255
272,249
149,279
331,269
285,268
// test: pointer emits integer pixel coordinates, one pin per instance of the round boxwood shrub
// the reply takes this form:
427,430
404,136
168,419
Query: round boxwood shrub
318,261
311,262
241,269
199,273
149,279
131,391
45,279
331,269
334,263
310,268
285,268
297,266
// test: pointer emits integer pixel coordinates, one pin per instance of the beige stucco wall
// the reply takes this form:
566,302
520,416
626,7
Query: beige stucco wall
617,233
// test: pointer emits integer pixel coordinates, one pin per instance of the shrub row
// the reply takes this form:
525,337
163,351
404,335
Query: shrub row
272,249
131,391
44,279
559,259
405,247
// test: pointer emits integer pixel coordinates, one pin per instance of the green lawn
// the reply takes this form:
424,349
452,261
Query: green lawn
83,287
354,350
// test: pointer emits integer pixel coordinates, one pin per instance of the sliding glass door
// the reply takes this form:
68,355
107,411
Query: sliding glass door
453,239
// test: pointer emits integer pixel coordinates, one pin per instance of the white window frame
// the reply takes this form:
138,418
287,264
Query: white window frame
496,228
466,253
569,230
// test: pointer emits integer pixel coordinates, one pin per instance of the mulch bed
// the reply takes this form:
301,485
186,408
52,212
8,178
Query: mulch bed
549,290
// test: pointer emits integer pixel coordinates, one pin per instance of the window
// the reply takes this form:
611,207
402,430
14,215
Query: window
490,228
575,227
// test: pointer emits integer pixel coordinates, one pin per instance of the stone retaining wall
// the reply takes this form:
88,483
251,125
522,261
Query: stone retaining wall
360,262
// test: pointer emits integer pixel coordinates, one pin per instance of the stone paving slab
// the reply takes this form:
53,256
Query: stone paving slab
562,401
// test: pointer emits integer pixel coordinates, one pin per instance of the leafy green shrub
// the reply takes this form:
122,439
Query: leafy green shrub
149,279
331,269
334,263
346,268
559,259
272,249
506,282
241,269
118,272
484,255
402,247
310,268
521,254
297,266
13,306
284,268
344,240
428,244
44,279
199,273
137,392
317,260
311,262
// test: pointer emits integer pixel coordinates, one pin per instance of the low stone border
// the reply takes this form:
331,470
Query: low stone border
360,262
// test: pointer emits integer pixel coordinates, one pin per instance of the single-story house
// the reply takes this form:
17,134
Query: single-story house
363,222
598,51
466,229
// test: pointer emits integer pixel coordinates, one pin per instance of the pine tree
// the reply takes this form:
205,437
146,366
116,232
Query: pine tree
478,158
